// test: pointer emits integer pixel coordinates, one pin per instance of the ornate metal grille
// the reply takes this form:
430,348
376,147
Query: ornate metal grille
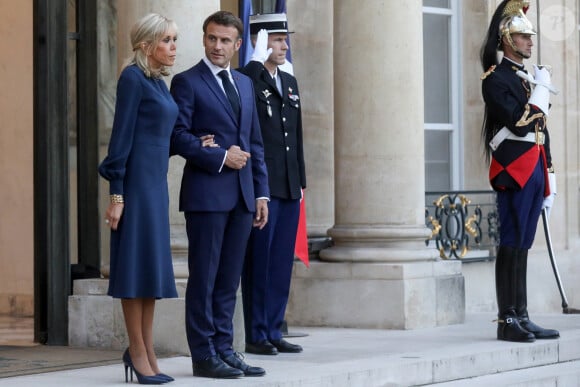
464,224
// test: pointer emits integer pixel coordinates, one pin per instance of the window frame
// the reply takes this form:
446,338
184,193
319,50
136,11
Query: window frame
456,167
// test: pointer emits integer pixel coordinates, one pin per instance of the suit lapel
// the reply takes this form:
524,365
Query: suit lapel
213,85
283,84
241,91
266,77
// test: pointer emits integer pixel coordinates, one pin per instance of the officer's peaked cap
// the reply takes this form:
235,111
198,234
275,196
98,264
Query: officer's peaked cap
271,22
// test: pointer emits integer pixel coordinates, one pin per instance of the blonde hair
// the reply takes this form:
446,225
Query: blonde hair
145,36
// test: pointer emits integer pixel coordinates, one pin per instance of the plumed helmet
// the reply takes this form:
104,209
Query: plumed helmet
514,19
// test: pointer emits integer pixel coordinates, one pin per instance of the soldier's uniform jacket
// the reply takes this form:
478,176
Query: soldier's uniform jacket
281,123
506,96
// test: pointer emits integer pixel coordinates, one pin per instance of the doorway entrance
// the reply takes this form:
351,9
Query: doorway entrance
65,159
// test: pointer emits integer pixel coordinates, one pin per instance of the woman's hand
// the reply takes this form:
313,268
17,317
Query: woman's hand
113,214
207,141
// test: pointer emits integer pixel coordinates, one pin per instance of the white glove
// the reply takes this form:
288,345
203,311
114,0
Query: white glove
549,200
530,78
541,95
542,75
261,50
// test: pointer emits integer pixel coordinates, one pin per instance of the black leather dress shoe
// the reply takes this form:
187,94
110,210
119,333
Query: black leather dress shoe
284,346
214,367
261,348
538,331
236,360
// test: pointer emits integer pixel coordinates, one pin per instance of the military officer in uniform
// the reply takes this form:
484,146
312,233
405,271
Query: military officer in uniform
521,172
270,254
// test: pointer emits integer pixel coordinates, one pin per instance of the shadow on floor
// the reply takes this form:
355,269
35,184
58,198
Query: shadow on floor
27,360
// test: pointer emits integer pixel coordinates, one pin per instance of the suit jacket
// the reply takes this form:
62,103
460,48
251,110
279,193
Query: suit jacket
281,122
205,109
506,96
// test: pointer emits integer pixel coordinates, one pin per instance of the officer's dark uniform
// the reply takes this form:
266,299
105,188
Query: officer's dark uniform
518,169
515,134
269,261
513,162
281,121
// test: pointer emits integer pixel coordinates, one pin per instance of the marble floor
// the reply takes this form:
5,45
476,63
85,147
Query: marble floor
16,331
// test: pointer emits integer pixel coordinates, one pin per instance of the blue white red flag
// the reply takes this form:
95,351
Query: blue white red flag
246,49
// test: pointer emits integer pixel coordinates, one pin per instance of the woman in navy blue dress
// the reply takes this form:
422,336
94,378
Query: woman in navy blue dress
141,268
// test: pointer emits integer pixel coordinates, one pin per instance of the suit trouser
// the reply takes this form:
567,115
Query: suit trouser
217,243
268,271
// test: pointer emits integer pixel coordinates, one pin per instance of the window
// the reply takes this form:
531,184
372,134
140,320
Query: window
441,70
264,6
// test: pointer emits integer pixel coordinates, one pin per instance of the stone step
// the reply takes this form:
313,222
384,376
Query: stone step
459,354
560,374
96,320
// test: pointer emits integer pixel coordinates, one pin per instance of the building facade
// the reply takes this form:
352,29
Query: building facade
392,109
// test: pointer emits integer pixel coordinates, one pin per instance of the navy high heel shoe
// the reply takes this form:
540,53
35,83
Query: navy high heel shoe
142,379
166,377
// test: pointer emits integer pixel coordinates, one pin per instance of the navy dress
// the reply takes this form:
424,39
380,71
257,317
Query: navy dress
136,167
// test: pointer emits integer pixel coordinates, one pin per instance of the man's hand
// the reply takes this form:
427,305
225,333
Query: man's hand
541,95
261,217
261,50
549,200
542,75
236,158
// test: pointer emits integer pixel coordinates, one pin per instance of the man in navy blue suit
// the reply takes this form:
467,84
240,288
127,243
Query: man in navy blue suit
224,191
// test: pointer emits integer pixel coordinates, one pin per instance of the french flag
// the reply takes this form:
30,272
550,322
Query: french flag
246,50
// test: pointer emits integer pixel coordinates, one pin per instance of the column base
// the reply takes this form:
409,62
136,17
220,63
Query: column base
377,295
380,243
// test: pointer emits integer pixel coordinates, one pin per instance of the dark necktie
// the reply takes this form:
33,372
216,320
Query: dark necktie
230,92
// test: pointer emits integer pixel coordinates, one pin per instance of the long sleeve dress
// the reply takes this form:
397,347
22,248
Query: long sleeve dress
136,167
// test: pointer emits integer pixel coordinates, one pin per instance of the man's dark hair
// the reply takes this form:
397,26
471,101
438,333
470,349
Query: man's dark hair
225,18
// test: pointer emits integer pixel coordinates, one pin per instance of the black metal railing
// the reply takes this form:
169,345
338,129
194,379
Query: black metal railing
464,224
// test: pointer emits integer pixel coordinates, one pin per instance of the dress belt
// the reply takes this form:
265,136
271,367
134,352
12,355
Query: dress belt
506,134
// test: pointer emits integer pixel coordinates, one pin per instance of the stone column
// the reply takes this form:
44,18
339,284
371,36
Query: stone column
380,189
379,266
312,50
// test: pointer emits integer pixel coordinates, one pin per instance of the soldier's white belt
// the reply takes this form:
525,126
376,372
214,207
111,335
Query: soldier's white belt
506,134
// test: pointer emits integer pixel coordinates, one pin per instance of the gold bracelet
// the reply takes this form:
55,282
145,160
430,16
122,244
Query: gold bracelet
117,199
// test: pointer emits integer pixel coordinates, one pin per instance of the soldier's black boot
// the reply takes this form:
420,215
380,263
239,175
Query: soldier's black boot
522,302
508,325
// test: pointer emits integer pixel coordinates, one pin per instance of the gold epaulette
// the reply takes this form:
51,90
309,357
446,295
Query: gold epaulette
489,71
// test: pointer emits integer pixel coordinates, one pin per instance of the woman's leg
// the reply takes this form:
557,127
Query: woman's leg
147,328
133,311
